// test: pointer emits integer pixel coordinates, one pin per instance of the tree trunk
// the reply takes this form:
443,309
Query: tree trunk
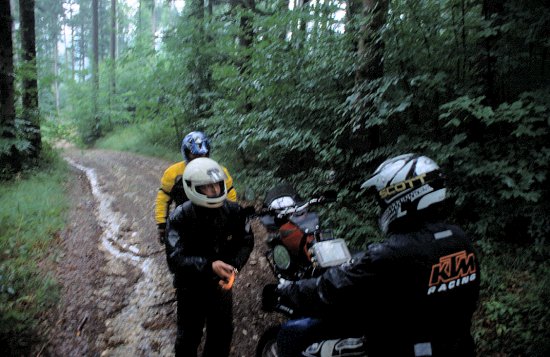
95,44
73,62
82,51
370,46
370,50
95,66
56,74
154,24
9,157
30,83
198,65
489,59
112,81
246,38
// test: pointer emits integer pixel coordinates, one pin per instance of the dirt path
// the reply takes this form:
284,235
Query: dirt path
117,298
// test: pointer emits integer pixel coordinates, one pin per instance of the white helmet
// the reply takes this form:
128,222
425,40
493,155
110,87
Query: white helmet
406,185
204,171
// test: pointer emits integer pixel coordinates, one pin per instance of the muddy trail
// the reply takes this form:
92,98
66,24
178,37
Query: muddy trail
117,297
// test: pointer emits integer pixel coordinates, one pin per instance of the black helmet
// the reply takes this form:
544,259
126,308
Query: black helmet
406,186
196,143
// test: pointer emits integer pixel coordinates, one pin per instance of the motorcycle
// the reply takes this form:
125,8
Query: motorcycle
297,246
299,249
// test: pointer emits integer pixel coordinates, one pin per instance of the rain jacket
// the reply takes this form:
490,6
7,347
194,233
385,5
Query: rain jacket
413,294
198,236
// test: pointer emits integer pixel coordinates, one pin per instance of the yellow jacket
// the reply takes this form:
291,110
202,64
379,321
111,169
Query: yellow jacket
171,190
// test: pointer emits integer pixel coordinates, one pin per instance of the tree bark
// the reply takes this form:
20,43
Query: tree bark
73,61
56,74
370,46
246,38
370,50
9,159
95,44
95,66
489,59
112,81
30,83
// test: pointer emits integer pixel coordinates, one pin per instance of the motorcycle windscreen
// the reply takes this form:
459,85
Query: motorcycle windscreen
331,252
281,190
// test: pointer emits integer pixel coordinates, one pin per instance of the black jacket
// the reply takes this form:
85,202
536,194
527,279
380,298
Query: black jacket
198,236
412,294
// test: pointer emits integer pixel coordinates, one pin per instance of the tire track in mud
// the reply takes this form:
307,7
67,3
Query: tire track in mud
136,285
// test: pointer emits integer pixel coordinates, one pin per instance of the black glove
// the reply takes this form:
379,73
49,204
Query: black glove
162,234
270,297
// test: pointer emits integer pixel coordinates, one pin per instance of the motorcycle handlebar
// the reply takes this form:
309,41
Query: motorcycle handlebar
297,208
327,197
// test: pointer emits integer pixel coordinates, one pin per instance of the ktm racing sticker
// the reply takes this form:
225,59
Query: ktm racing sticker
452,271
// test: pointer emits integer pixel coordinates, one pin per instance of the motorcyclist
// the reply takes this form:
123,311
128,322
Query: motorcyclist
195,144
412,294
208,241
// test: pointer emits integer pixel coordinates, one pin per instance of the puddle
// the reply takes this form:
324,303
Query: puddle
111,222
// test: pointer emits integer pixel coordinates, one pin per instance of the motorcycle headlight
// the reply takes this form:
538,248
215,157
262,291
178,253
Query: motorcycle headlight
281,257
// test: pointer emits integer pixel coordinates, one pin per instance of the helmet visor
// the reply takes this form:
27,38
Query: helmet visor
211,190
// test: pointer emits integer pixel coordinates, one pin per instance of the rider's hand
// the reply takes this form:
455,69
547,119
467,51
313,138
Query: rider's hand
162,235
270,297
223,270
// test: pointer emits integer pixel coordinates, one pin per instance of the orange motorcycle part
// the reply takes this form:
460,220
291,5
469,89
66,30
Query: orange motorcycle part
295,240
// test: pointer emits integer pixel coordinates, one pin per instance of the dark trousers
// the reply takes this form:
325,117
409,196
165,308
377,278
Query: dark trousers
296,335
199,306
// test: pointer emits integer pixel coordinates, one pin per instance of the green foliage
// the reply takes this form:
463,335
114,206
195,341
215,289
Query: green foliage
513,315
81,108
146,139
500,159
31,213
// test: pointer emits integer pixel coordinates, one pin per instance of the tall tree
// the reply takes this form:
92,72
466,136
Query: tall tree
95,67
369,69
113,48
198,64
491,8
73,42
9,156
30,83
95,44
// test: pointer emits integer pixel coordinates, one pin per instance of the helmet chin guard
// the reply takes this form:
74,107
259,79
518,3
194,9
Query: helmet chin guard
406,186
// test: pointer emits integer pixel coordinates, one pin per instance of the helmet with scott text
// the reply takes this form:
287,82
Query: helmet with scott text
200,174
195,144
406,186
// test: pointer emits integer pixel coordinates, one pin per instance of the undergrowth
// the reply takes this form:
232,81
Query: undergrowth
146,139
513,316
32,208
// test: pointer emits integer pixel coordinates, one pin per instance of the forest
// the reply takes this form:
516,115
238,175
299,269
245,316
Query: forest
301,91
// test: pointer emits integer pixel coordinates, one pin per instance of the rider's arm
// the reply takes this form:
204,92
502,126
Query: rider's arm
179,258
162,203
231,192
243,237
163,200
337,288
